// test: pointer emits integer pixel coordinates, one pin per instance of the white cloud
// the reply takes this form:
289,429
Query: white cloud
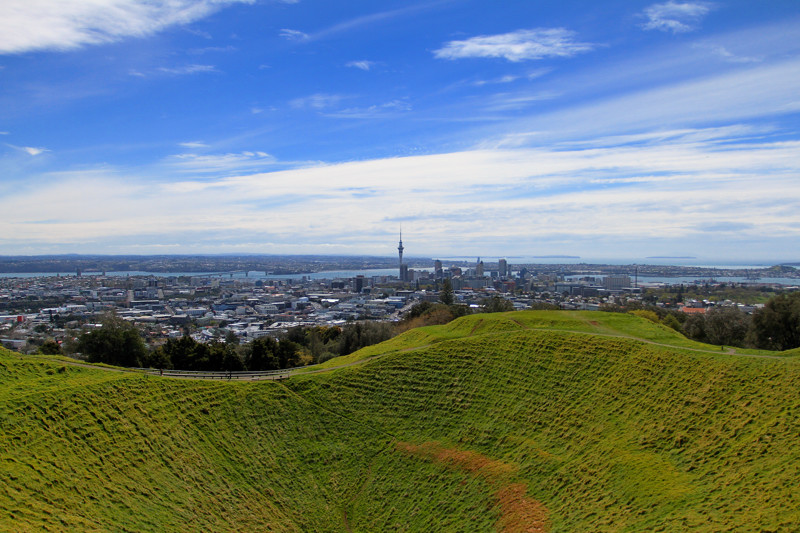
502,79
28,25
753,92
317,101
585,200
219,163
373,20
212,49
188,69
517,101
193,144
293,35
517,46
676,17
34,151
383,110
722,52
30,150
363,64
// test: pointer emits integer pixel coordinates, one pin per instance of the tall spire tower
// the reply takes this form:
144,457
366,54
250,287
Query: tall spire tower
400,247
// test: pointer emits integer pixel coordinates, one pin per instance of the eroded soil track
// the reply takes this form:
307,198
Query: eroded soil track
518,512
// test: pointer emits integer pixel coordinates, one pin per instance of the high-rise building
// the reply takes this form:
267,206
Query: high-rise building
617,283
503,268
437,269
479,268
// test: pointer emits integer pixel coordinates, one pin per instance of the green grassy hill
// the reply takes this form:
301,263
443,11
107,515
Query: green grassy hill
525,421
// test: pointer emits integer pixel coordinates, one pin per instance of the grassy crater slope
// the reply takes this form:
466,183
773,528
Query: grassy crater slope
514,422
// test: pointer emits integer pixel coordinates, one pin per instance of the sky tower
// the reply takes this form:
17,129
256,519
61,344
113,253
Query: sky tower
400,248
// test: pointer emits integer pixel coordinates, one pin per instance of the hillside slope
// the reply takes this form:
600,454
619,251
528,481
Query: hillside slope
509,422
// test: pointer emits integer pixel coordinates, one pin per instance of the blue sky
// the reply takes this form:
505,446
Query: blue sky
599,129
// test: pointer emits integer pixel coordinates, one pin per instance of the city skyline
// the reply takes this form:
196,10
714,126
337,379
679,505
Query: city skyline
627,129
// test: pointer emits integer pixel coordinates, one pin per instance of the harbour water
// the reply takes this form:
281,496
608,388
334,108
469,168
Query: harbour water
345,274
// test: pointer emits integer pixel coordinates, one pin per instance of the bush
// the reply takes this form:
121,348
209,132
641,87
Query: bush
671,321
50,347
646,313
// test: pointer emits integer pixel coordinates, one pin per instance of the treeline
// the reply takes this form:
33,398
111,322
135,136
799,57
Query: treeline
776,326
119,343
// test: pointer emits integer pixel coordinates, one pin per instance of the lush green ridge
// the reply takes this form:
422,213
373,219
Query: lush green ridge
606,324
607,432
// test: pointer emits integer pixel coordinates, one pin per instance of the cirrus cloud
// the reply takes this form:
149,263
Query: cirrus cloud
599,198
30,150
29,25
517,46
676,17
363,64
293,35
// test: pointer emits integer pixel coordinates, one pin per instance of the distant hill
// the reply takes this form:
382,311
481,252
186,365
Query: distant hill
524,421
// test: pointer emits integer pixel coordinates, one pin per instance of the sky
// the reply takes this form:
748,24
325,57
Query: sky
614,129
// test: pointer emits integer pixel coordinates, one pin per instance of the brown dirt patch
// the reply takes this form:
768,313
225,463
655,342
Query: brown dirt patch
519,514
472,462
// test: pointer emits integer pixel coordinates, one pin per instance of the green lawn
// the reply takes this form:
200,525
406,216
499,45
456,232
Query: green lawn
606,432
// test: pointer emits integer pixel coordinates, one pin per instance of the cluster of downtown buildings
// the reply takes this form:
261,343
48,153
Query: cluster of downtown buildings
215,306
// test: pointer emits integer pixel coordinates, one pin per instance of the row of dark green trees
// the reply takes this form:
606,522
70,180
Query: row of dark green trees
119,343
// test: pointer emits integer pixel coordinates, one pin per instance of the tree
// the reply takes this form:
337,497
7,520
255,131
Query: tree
726,325
157,358
777,325
231,338
117,342
261,354
360,334
50,347
694,327
446,295
418,309
496,304
178,353
288,354
224,357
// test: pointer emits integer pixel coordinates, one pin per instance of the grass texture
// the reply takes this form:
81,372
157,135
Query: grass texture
522,421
